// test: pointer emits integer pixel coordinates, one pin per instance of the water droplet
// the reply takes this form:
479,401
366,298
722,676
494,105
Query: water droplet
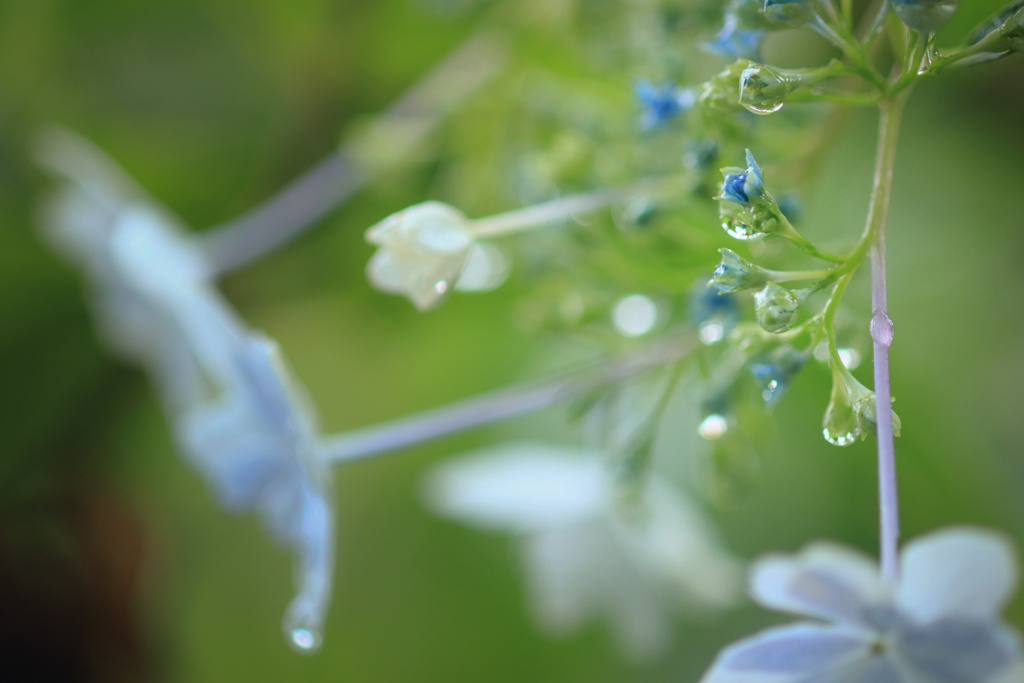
441,286
882,329
739,228
821,352
850,358
843,439
635,315
711,332
713,427
305,640
763,107
769,390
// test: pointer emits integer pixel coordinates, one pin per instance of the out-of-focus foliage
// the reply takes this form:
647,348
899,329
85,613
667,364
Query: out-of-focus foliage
115,563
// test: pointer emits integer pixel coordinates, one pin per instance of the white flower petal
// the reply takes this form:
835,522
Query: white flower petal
799,653
486,268
578,572
518,487
824,581
960,572
680,548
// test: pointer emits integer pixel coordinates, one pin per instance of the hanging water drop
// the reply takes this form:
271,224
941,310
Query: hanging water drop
764,107
739,228
842,438
441,286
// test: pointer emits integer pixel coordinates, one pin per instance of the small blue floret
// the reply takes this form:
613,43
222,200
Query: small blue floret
733,41
661,104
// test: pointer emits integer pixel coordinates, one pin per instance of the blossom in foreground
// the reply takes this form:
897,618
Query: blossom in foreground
240,419
426,250
585,554
940,624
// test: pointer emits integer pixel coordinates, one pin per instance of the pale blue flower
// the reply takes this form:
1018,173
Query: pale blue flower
240,419
583,556
735,41
660,104
742,186
941,623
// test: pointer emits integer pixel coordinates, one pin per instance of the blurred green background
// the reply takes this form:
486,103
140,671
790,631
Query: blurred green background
116,565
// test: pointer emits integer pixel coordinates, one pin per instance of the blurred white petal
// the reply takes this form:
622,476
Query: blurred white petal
583,558
519,487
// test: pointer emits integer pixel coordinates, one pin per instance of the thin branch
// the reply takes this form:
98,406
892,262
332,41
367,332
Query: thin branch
324,187
492,407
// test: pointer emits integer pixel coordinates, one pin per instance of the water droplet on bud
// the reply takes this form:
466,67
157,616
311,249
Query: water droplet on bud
739,228
840,439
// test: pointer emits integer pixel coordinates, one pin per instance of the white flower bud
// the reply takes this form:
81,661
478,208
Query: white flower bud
423,250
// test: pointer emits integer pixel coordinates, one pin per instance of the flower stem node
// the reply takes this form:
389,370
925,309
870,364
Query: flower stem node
775,308
735,273
422,251
924,16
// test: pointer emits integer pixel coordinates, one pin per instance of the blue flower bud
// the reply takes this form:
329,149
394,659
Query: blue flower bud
735,41
714,314
925,16
661,104
735,273
773,371
743,185
1004,32
775,308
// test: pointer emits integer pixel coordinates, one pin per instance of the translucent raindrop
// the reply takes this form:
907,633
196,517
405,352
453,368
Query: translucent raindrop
305,640
840,439
850,358
635,315
441,286
764,107
882,329
711,332
739,228
713,427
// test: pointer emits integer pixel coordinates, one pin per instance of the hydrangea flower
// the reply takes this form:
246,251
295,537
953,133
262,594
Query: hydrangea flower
735,41
941,623
240,419
661,104
425,249
584,556
742,185
256,445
